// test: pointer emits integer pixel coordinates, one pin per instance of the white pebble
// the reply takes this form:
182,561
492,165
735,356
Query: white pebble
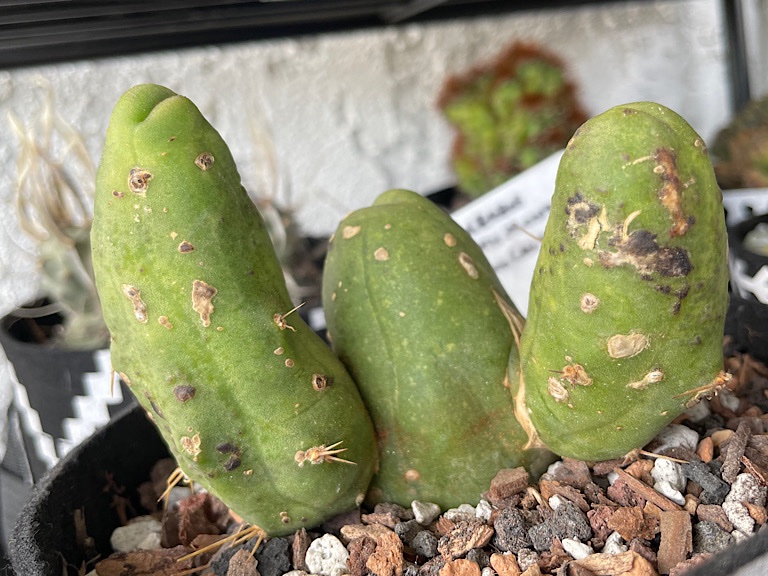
728,399
739,516
746,488
612,477
463,512
487,571
132,535
576,548
327,556
677,436
555,501
614,544
698,411
670,471
669,491
526,558
739,536
296,573
425,512
483,510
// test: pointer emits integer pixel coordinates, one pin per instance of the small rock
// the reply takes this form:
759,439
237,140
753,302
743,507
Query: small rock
527,558
714,489
460,567
669,471
709,537
746,488
666,489
296,573
242,564
576,548
565,522
511,532
483,510
698,411
463,513
465,536
728,399
487,571
274,557
676,436
614,544
327,556
739,516
508,482
408,530
425,512
714,513
505,564
425,544
129,537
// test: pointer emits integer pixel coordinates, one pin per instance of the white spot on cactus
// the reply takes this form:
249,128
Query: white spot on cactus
204,161
387,226
289,363
279,351
556,389
165,322
138,181
449,239
202,300
588,262
284,518
627,345
588,303
469,265
350,232
191,445
653,377
381,254
173,235
412,475
139,307
401,314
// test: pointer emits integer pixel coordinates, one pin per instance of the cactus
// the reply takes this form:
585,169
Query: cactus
741,148
629,295
508,115
53,197
415,312
253,404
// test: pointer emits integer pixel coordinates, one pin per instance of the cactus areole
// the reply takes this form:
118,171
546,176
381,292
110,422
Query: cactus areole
252,403
629,294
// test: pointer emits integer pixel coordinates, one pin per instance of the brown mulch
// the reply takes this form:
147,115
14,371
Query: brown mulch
525,527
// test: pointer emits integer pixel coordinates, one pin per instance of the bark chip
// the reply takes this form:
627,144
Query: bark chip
202,296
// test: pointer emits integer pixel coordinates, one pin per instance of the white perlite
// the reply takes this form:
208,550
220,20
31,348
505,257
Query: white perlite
327,556
576,548
614,544
425,512
143,533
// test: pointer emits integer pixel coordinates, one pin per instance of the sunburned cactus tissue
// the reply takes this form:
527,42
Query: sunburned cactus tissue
629,295
417,314
252,403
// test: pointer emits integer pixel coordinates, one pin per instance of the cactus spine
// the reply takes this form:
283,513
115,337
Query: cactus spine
253,404
413,309
629,295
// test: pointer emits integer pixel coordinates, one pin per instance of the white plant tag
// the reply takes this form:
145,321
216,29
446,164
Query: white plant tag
508,223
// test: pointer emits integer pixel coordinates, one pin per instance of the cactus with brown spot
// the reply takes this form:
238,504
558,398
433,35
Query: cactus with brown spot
417,314
629,294
198,310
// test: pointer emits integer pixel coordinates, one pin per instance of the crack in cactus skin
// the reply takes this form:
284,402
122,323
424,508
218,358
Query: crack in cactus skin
631,281
233,411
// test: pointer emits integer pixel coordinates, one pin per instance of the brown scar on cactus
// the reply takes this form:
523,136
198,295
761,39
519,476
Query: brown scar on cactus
320,454
138,181
279,319
321,381
469,266
186,247
575,373
671,190
165,322
588,303
449,240
191,445
139,307
202,296
204,161
184,392
556,389
350,232
626,345
381,254
653,377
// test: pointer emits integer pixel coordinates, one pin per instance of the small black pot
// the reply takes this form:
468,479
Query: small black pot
747,320
114,461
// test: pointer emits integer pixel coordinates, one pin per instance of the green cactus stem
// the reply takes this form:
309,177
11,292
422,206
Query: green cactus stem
415,312
252,403
629,295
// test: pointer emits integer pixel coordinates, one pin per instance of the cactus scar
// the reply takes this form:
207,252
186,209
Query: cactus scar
139,307
469,265
670,193
184,392
279,319
204,161
202,296
191,445
626,345
138,181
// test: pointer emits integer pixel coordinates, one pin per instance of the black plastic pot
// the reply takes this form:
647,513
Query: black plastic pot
115,461
747,322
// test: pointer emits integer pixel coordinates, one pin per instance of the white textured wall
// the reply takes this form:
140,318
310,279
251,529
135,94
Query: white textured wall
353,114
